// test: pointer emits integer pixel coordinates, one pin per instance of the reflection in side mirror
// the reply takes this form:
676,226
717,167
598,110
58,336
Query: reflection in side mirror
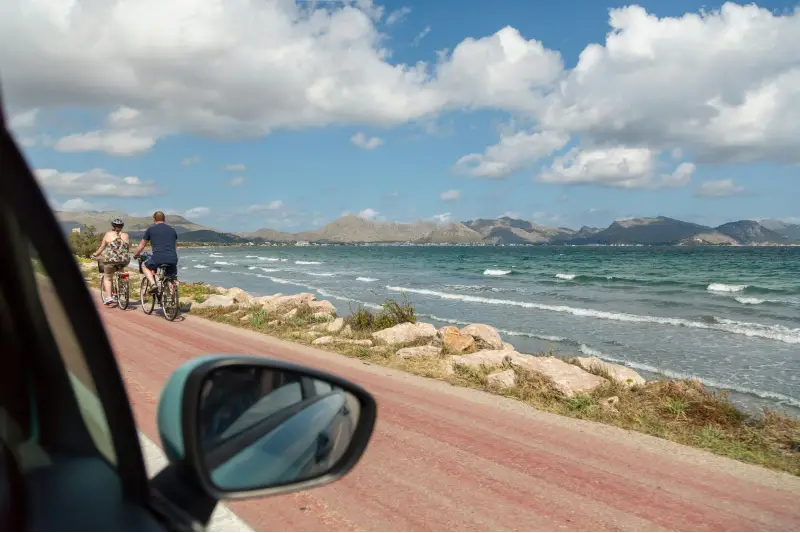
262,427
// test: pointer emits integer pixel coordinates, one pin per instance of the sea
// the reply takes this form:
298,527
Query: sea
729,317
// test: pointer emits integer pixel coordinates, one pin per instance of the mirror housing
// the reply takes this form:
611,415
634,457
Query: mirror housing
182,437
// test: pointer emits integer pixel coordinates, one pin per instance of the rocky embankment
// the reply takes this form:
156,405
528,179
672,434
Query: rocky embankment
476,346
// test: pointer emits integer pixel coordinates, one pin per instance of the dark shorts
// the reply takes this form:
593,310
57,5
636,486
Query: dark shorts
170,271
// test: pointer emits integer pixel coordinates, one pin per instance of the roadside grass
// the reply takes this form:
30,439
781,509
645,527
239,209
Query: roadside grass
682,411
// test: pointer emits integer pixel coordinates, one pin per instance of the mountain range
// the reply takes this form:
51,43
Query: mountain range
351,229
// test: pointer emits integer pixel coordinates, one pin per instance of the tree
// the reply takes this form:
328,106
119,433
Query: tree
85,243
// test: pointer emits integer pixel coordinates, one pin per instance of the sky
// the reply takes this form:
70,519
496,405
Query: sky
286,114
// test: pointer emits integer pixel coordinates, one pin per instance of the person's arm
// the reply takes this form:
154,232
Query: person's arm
142,243
102,246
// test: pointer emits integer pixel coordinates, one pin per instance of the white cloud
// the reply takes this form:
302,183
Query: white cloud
23,120
719,188
196,212
95,182
76,204
514,152
331,60
441,218
236,167
120,143
368,213
237,182
452,195
397,15
191,160
367,143
628,168
510,214
420,36
274,205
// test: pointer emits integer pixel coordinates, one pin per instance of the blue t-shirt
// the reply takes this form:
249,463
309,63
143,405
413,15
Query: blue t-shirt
163,239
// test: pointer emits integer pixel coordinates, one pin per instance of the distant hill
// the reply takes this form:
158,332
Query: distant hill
269,235
790,231
101,220
655,231
751,232
351,229
455,233
507,230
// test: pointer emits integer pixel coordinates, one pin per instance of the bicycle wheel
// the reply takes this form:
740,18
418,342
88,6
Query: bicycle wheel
123,292
148,300
170,301
102,288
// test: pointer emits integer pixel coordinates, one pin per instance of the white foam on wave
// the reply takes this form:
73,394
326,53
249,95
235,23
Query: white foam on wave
495,272
591,352
366,280
215,270
200,265
723,287
566,276
270,269
224,263
776,332
748,300
307,262
321,274
215,254
273,259
251,257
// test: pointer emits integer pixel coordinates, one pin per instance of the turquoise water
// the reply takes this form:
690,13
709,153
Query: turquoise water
728,316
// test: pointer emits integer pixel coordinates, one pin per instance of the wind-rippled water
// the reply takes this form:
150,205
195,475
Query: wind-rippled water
728,316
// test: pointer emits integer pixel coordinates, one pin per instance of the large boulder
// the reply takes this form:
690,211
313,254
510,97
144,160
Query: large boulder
619,373
486,336
487,358
186,304
336,326
290,301
217,300
503,378
322,306
453,341
406,333
331,340
418,351
567,378
239,296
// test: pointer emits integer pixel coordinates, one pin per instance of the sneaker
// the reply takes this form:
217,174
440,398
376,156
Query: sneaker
108,301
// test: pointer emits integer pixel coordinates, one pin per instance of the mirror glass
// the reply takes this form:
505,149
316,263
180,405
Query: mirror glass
262,427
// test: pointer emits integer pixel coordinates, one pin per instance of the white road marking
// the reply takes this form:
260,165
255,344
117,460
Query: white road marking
223,518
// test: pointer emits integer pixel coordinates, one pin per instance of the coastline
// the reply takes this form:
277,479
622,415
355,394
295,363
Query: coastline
477,357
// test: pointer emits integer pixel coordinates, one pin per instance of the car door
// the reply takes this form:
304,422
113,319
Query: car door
66,421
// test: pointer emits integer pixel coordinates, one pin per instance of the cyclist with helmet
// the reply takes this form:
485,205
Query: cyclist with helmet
116,246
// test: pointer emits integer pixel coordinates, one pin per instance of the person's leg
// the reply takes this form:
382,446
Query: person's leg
146,269
108,271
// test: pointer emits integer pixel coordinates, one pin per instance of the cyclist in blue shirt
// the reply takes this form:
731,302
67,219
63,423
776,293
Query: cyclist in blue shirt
163,240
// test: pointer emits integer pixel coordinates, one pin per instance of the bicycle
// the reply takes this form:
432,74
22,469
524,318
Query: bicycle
166,292
120,287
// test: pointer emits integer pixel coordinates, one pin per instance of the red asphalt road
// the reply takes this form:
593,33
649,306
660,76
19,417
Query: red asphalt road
446,458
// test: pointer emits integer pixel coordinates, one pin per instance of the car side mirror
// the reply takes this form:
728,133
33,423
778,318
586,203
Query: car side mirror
251,426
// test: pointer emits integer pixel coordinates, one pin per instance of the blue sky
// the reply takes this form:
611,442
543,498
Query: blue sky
296,176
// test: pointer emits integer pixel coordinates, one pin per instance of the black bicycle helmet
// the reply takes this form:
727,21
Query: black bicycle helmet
117,222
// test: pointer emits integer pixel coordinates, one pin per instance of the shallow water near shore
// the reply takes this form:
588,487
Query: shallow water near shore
728,316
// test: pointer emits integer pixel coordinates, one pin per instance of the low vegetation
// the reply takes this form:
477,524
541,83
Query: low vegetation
680,411
85,243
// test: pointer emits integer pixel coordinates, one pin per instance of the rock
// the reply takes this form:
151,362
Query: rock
186,304
261,300
291,314
347,331
405,333
453,341
418,351
217,300
486,336
357,342
323,340
336,326
273,322
322,306
290,301
487,357
509,346
620,373
567,378
504,378
239,296
330,340
311,334
610,403
245,318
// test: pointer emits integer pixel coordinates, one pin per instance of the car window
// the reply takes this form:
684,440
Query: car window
81,380
322,387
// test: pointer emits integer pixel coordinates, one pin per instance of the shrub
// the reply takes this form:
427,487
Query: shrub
391,314
85,243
